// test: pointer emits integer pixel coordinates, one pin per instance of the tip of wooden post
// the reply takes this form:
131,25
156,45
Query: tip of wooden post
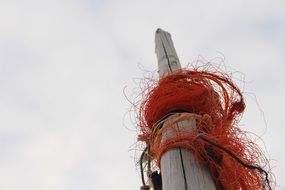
168,61
158,30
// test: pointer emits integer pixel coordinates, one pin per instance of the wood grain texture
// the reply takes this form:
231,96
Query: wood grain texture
179,169
166,54
193,176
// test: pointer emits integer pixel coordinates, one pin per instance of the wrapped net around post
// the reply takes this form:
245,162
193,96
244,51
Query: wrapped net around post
216,104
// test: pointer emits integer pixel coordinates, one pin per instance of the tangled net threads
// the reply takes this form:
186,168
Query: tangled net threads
214,103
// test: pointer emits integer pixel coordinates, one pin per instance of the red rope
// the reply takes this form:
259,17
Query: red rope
215,103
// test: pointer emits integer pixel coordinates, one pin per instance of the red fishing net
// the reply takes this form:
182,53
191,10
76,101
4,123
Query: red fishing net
215,104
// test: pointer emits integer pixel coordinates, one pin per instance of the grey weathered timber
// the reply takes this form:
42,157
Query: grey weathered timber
179,169
168,61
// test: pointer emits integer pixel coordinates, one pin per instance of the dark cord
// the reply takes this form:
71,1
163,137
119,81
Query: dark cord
141,166
260,170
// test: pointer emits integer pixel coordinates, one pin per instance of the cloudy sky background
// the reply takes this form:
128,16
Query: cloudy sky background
64,65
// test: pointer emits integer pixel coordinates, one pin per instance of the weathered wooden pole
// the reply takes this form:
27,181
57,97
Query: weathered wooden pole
179,169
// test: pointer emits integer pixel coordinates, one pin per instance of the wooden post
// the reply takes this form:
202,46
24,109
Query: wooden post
179,169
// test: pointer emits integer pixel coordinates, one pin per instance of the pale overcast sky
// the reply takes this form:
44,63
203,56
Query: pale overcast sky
64,65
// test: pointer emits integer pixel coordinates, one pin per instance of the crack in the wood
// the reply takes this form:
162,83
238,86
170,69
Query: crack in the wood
165,52
183,169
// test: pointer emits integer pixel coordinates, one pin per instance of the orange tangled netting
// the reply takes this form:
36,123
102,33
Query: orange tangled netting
214,102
